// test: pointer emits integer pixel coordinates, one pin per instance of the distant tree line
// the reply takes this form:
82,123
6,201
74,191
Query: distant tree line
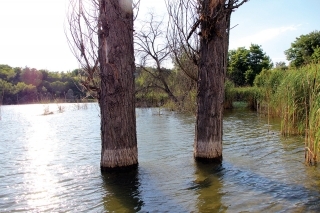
154,85
29,85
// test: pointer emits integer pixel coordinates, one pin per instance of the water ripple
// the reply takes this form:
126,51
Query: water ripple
51,164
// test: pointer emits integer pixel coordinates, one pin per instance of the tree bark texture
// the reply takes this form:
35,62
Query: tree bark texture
116,95
214,35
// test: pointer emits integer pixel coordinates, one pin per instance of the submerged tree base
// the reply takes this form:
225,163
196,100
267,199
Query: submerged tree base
118,158
209,160
133,167
208,151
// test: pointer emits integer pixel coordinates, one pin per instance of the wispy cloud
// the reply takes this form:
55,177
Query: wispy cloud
261,36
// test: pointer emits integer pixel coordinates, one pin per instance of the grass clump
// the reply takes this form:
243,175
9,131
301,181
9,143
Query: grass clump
229,94
46,110
240,94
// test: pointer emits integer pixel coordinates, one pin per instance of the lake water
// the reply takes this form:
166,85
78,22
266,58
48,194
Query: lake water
51,164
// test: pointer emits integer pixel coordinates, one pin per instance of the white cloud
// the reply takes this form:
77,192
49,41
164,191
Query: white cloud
261,37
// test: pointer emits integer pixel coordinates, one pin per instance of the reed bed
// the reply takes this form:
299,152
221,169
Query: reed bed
294,96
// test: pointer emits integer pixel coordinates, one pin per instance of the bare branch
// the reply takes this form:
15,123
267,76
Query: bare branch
136,8
152,50
182,35
234,4
81,32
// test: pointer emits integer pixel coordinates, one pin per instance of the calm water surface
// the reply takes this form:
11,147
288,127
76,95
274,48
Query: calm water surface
51,164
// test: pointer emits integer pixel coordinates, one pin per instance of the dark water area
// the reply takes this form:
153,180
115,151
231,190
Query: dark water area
51,164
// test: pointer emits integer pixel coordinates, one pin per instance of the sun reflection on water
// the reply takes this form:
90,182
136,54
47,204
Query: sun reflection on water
40,153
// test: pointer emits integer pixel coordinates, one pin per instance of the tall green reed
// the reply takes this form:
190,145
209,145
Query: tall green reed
294,96
313,121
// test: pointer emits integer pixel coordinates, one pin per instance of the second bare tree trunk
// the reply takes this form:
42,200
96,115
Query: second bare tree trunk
212,68
116,96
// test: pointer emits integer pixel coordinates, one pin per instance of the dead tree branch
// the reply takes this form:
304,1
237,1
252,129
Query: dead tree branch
182,35
152,51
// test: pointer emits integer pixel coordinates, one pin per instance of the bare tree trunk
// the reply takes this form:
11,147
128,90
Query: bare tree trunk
213,17
116,95
214,23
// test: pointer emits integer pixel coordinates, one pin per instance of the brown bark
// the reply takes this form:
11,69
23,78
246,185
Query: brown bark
116,95
214,23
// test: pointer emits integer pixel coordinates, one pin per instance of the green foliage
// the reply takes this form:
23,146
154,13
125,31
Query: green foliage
150,90
229,94
31,76
268,81
186,105
29,85
238,65
248,94
5,86
315,57
281,65
313,133
304,50
6,72
244,64
58,86
184,89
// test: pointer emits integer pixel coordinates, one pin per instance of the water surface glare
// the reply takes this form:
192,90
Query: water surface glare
51,164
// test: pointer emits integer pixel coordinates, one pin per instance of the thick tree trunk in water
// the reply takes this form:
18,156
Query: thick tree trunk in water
116,96
215,22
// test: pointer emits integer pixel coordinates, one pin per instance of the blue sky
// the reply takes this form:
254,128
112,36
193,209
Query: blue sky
273,24
32,31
